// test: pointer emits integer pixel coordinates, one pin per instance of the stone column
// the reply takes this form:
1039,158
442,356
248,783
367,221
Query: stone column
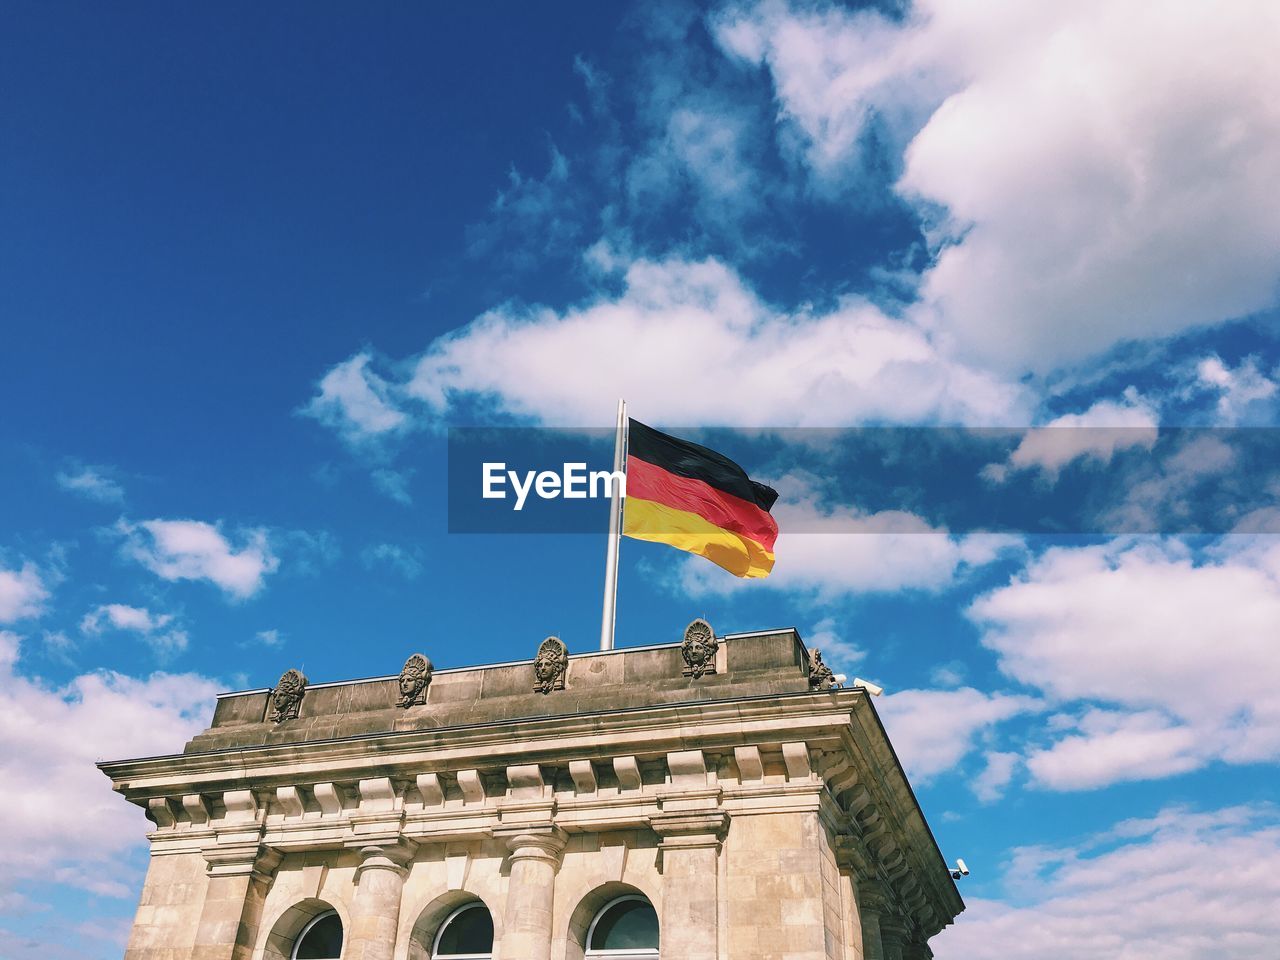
872,906
535,859
893,933
239,878
690,846
375,909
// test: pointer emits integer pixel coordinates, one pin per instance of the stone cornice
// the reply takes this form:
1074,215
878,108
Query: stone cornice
656,728
682,769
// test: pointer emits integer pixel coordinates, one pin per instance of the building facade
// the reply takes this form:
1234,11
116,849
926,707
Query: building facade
711,799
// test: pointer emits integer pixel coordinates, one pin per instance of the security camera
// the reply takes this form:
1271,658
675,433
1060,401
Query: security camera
961,869
839,679
872,688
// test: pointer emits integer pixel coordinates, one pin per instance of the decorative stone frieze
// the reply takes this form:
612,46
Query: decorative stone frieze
628,772
377,794
749,765
160,813
331,798
286,698
796,758
197,810
431,789
415,677
472,786
550,665
699,649
584,776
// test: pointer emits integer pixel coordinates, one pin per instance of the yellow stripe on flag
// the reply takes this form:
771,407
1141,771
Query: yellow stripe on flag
741,556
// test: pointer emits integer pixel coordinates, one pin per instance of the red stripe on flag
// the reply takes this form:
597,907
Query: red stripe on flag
646,481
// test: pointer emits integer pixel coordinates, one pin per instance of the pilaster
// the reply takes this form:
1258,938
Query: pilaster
689,839
240,874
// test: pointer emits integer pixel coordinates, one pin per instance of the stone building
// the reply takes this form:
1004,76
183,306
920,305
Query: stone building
716,799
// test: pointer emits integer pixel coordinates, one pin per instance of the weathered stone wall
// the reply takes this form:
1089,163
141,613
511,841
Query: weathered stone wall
746,666
763,818
169,911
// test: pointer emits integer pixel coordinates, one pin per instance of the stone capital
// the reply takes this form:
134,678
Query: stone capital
393,854
545,842
850,855
894,930
690,830
873,899
251,859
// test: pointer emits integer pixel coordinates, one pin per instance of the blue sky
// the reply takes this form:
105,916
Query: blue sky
255,262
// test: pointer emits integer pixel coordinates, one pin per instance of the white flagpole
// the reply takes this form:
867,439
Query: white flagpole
608,616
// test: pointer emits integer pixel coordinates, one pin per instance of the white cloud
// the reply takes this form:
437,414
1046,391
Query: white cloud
195,550
393,484
850,365
49,743
1106,746
22,593
92,483
1242,392
1095,435
990,784
157,629
1128,625
1162,494
1096,171
1178,886
933,730
406,563
270,638
356,402
837,649
835,551
532,218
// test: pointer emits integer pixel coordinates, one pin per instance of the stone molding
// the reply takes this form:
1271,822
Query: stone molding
246,858
684,772
690,830
545,842
390,854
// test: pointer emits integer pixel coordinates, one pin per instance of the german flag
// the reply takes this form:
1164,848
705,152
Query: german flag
697,500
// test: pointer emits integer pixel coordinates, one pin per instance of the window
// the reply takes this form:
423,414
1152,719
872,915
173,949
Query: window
624,929
466,933
321,939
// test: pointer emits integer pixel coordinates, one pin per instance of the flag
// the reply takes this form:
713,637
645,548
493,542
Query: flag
697,500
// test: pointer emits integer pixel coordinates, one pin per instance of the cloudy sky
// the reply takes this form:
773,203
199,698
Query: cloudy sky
255,262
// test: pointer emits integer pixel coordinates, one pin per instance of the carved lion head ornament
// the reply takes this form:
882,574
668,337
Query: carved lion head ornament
414,679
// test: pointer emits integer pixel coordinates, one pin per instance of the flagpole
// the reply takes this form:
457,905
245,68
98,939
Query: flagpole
608,616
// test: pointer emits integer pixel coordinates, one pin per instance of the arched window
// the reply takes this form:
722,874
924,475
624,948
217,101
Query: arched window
466,934
624,929
321,939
